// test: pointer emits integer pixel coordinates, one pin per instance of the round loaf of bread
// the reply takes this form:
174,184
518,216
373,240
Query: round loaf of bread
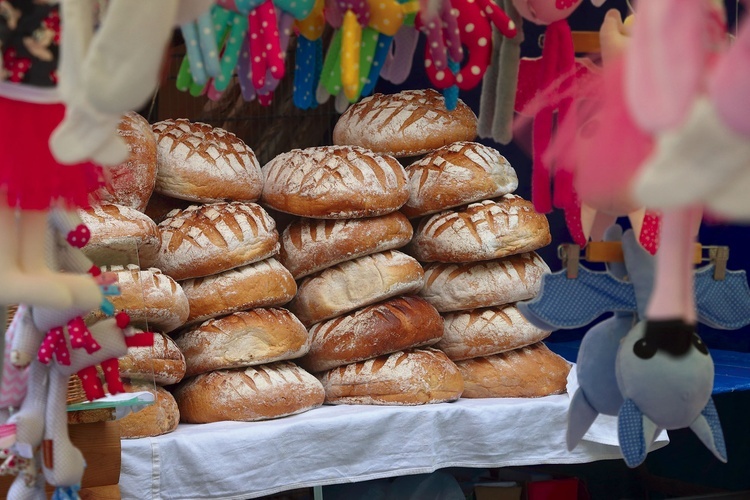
415,377
153,300
198,162
162,364
131,183
209,239
356,283
120,235
409,123
490,229
460,287
245,338
262,284
310,245
248,394
394,325
528,372
484,332
156,419
457,174
334,182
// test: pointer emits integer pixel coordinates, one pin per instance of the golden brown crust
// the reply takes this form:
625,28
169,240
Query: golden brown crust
334,182
254,393
311,245
245,338
390,326
529,372
409,123
414,377
490,229
159,418
162,364
208,239
455,175
262,284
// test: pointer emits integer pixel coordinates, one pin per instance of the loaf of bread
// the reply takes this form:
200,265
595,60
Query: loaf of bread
488,331
409,123
310,245
162,364
156,419
334,182
414,377
528,372
356,283
198,162
457,174
245,338
208,239
153,300
460,287
120,235
490,229
131,183
261,284
248,394
393,325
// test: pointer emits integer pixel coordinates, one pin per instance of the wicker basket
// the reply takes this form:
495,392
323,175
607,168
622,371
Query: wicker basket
76,393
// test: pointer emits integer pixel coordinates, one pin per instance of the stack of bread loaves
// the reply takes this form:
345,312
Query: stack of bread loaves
125,241
356,292
477,240
236,339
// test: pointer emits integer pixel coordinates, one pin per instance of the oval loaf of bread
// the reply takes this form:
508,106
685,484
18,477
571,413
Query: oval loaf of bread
393,325
262,284
162,363
409,123
414,377
490,229
198,162
156,419
457,174
244,338
209,239
132,182
152,299
310,245
488,331
334,182
528,372
356,283
460,287
120,235
248,394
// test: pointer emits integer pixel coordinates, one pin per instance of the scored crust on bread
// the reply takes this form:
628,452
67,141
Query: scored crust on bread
460,287
209,239
334,182
310,245
488,331
409,123
120,235
528,372
201,163
356,283
244,338
457,174
262,284
414,377
248,394
490,229
393,325
162,363
132,182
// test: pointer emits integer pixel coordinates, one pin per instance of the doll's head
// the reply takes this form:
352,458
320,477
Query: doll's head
545,12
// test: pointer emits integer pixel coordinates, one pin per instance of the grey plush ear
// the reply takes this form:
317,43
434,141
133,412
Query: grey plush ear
580,417
708,429
640,265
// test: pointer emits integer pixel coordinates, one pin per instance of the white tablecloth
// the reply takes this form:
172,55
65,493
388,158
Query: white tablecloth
339,444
